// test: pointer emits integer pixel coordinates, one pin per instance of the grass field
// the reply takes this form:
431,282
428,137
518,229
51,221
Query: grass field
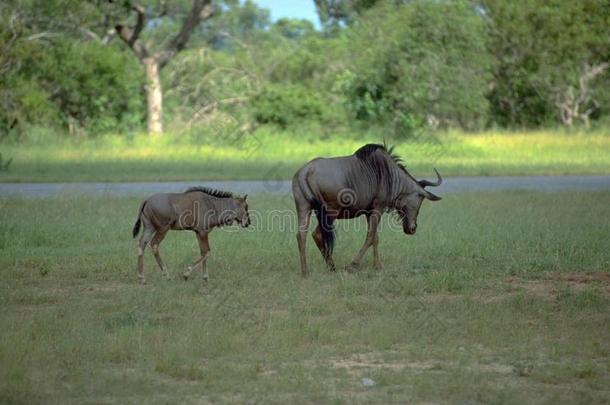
265,155
480,306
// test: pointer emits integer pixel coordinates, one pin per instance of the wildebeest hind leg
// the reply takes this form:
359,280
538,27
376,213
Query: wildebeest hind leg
303,215
317,237
376,260
154,245
144,239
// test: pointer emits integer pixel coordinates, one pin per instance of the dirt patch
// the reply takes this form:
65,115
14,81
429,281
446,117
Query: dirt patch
102,287
359,363
583,278
552,283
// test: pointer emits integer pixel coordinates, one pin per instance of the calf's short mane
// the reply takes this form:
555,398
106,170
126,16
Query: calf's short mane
210,191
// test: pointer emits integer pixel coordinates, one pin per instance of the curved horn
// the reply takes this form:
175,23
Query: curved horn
439,181
430,196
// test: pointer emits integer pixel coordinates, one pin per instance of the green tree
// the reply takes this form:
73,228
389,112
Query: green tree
96,95
57,68
211,83
155,60
293,28
552,59
334,13
424,61
234,21
252,67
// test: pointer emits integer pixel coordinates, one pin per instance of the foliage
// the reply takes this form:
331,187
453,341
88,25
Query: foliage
54,80
540,48
405,81
95,95
21,99
199,80
4,164
293,28
397,67
287,104
335,13
239,20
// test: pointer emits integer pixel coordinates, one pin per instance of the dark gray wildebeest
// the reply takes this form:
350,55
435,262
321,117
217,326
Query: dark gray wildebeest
198,209
370,182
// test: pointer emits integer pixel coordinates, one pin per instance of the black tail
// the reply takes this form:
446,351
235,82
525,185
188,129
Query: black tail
326,227
136,226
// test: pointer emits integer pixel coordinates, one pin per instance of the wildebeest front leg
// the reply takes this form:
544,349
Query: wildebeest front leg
154,245
204,249
371,236
317,237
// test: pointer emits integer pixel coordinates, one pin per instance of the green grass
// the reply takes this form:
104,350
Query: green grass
271,155
500,297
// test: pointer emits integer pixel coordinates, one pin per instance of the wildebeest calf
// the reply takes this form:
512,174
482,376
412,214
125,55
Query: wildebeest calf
198,209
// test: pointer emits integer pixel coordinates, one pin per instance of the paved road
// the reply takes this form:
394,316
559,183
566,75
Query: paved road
451,184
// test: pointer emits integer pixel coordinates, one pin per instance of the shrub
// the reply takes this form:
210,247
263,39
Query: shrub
84,86
96,87
286,105
418,62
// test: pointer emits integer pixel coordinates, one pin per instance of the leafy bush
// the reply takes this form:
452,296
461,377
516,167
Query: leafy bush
84,86
94,86
419,62
542,49
287,104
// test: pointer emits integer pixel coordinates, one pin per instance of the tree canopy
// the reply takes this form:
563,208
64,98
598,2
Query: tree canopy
396,65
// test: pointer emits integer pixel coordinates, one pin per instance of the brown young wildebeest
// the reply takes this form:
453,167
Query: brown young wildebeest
198,209
370,182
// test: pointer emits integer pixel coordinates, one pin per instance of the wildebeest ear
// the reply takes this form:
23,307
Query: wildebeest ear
430,196
245,196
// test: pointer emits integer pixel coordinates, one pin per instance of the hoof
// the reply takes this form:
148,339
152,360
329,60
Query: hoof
352,267
187,273
142,281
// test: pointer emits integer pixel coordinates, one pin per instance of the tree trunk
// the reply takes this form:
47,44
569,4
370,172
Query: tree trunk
154,96
201,10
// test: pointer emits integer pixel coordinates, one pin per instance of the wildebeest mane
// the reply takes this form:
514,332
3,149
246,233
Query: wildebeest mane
366,153
210,191
379,164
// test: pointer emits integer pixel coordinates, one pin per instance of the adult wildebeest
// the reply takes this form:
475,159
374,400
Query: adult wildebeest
198,209
370,182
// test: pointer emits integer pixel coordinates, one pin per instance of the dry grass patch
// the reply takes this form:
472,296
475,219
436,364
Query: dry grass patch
553,283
